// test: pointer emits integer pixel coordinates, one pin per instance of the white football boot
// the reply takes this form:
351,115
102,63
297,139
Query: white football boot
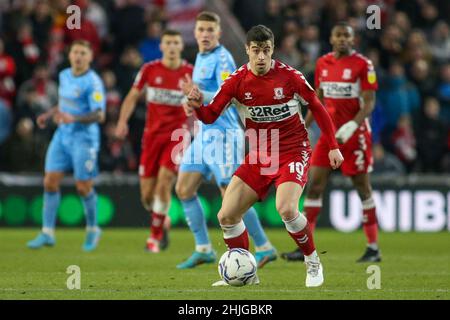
314,271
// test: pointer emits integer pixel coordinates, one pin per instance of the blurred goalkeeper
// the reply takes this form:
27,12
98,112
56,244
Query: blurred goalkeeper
75,144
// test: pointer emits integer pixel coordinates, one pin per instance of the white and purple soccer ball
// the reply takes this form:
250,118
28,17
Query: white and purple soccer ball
237,267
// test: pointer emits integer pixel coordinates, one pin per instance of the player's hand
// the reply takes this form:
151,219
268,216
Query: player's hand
63,117
186,84
188,109
195,97
121,130
336,158
346,131
42,120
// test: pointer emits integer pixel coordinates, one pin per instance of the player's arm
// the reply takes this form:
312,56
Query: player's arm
369,84
43,118
208,114
130,101
309,119
97,115
126,110
322,117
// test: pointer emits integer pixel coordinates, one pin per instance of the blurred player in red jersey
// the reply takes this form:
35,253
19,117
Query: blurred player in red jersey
268,95
346,82
158,167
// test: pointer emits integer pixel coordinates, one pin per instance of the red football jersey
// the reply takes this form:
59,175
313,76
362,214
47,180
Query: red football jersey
272,102
163,96
342,81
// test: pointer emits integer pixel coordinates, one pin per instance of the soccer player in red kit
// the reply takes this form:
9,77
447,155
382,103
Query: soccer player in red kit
158,167
345,81
268,95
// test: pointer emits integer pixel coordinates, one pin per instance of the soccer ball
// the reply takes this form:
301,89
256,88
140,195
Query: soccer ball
237,267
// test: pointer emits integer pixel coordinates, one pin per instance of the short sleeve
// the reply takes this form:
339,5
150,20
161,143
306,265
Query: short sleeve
141,77
368,76
96,94
224,67
317,75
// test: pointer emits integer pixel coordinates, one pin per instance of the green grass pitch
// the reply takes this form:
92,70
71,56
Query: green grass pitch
415,266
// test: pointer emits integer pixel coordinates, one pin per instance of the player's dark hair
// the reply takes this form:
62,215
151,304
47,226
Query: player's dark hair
170,32
81,42
343,24
260,33
208,16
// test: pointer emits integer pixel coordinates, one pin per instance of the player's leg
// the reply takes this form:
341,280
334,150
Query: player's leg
85,169
57,161
287,197
361,182
312,205
238,198
193,170
88,195
160,209
52,198
264,250
147,189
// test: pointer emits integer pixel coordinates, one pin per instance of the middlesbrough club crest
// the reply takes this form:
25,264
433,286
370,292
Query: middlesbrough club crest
278,93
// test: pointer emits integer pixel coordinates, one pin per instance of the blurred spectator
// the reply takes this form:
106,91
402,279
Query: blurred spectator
386,163
249,12
87,30
42,22
96,14
126,71
421,77
113,96
26,152
428,16
310,42
5,121
128,25
404,142
25,51
274,19
440,42
390,44
116,155
431,137
7,73
37,95
288,52
443,92
149,47
397,98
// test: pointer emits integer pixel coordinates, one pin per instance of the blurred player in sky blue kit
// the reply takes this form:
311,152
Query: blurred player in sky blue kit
213,65
75,144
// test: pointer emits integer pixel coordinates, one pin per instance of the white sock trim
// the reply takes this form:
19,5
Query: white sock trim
160,206
297,224
265,247
203,248
49,231
314,257
312,202
233,231
368,204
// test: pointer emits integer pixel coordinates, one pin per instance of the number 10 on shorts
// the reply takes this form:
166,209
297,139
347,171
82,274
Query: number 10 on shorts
297,167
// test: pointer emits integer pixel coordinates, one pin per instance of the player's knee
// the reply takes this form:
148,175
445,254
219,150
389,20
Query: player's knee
83,189
147,202
51,184
287,211
315,191
183,192
226,218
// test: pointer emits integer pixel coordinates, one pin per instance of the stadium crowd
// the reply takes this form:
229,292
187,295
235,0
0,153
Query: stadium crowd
411,54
